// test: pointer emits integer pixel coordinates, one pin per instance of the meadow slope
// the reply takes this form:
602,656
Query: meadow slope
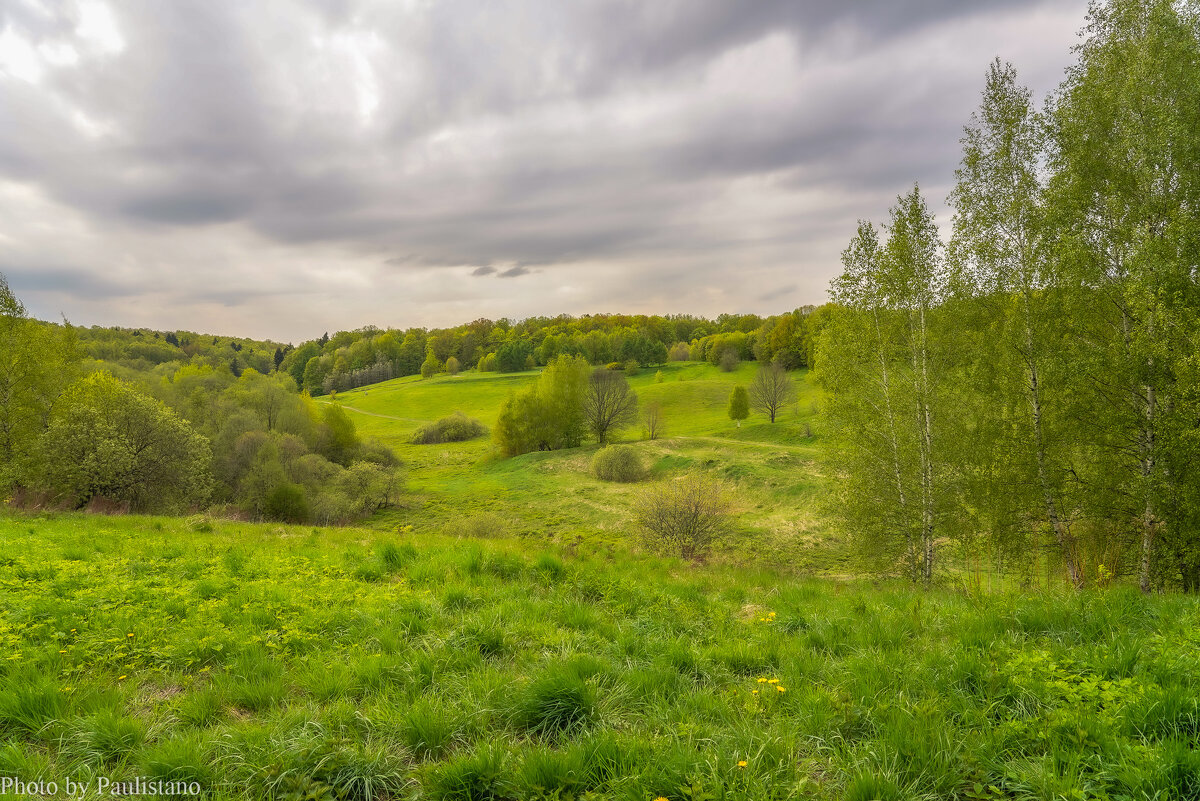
269,661
553,498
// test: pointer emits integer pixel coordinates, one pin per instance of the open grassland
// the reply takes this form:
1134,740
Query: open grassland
267,661
553,498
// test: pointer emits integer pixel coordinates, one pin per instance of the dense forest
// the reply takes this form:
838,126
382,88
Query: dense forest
352,359
1031,389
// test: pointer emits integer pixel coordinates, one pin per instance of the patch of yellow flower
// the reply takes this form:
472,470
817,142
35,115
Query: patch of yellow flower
764,680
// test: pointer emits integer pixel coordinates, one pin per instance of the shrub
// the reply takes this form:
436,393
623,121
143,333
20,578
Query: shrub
455,428
617,463
684,516
430,366
728,361
452,366
288,503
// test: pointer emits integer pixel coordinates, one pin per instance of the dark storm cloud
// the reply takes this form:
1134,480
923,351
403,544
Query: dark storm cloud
532,133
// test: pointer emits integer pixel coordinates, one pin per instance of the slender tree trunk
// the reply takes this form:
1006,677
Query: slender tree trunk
921,377
1149,518
1062,533
891,415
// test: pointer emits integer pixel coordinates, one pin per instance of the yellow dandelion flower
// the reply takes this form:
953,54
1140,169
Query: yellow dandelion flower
754,692
762,681
62,652
741,763
781,689
121,678
661,798
129,635
773,681
72,630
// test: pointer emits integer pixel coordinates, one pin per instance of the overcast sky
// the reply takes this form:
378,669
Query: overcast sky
286,167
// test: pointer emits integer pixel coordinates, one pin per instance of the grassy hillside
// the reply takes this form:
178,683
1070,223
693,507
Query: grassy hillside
466,487
266,661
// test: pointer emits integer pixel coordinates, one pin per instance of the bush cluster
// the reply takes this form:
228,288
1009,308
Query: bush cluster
455,428
617,463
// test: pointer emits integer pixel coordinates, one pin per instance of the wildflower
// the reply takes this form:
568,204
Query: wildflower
129,635
62,652
121,678
754,692
661,798
762,681
741,763
72,631
773,681
781,689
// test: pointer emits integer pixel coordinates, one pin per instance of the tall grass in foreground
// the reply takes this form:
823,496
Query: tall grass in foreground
287,662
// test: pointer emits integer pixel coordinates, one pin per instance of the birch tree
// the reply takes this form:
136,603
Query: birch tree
1001,256
867,411
1127,191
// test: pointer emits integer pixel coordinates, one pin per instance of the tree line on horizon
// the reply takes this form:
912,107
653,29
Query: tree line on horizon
1030,390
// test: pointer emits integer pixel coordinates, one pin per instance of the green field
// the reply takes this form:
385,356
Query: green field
506,634
552,497
268,661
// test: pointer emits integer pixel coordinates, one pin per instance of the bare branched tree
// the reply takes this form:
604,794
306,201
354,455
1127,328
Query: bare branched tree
686,515
652,417
609,404
771,390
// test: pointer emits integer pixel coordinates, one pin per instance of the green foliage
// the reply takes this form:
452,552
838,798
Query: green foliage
430,366
739,404
618,463
106,439
455,428
548,415
512,356
287,501
339,441
36,362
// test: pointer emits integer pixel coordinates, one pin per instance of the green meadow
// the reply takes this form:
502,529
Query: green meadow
506,634
552,498
270,661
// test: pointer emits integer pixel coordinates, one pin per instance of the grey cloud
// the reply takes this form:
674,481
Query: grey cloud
69,280
528,133
776,294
